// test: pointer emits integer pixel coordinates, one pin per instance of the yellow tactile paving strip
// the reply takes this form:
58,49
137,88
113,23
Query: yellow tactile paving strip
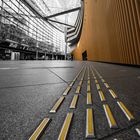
127,113
96,81
98,86
113,94
89,98
103,80
67,90
88,82
39,129
106,85
111,121
90,130
36,134
80,83
72,83
61,99
65,127
57,104
74,101
138,131
101,94
78,89
67,122
88,88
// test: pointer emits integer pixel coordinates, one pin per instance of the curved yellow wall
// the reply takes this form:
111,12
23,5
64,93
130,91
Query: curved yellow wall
111,31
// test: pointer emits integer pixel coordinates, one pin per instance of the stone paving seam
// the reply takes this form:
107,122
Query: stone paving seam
64,97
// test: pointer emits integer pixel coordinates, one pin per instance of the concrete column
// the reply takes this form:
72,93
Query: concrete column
56,57
66,21
36,50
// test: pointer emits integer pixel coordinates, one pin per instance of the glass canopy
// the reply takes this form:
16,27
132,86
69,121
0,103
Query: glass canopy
50,7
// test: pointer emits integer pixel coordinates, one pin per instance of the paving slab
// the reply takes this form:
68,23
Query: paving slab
29,90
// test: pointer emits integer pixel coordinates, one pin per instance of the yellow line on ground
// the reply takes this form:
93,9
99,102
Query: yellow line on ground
40,129
89,98
71,84
113,93
88,82
65,127
138,131
96,81
111,121
57,104
81,79
76,77
98,86
102,97
74,102
90,133
73,81
80,83
78,74
78,89
125,111
88,88
67,90
103,80
106,85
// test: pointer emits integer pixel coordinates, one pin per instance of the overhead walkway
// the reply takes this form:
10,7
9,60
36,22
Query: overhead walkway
73,100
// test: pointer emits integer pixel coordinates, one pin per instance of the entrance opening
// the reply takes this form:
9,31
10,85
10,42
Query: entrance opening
84,55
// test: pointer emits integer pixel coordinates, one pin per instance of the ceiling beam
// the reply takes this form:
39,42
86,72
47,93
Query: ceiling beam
64,12
56,27
39,15
61,23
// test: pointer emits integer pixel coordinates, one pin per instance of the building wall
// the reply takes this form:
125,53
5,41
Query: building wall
111,31
18,23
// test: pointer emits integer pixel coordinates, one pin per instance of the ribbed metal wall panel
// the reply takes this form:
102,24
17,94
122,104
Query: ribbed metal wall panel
111,31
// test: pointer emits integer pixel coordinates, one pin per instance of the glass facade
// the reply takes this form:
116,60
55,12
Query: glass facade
19,24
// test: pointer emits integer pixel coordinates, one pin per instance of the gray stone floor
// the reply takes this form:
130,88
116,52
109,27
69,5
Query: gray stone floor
29,89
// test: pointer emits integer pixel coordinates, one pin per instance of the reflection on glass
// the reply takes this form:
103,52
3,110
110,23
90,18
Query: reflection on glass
20,25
